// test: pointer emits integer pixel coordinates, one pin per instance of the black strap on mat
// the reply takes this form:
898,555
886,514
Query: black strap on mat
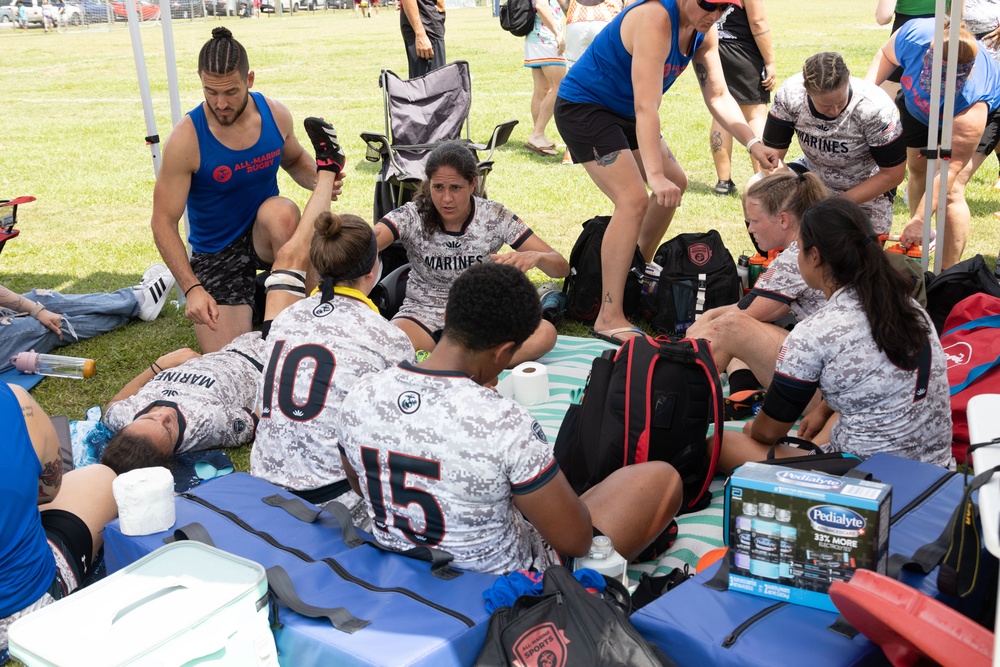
439,559
280,585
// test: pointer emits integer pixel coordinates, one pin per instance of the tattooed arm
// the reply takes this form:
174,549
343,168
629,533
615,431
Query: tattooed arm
16,302
46,444
720,102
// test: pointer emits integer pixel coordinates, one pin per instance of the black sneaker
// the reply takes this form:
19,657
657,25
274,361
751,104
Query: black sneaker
329,156
724,188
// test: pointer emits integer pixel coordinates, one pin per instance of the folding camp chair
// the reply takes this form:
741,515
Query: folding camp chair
420,114
8,220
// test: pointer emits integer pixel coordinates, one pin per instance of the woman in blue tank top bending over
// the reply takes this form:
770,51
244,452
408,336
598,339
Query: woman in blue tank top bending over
608,115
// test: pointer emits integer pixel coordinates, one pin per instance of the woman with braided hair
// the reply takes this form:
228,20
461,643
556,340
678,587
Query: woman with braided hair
871,351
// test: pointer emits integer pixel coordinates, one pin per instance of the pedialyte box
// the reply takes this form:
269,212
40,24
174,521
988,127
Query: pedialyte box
791,533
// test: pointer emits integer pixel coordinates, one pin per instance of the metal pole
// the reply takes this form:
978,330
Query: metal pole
931,152
152,139
947,121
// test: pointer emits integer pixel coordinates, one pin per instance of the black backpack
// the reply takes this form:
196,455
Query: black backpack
583,287
651,400
567,625
698,274
964,279
517,17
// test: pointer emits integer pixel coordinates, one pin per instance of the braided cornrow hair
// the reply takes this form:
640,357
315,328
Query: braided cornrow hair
222,55
824,73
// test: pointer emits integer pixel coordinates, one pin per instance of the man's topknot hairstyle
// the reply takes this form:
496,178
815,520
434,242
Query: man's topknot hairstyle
491,304
223,55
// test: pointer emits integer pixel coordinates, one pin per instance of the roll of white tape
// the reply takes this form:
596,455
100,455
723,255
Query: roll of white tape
145,499
505,387
531,383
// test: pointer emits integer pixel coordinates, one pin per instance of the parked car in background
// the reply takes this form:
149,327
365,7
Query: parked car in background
147,10
7,17
185,9
220,7
313,5
71,13
95,11
267,6
33,7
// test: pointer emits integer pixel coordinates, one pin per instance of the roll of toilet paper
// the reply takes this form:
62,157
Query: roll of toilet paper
505,387
145,499
531,383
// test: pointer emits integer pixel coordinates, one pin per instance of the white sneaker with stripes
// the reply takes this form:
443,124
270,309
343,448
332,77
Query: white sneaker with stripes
153,291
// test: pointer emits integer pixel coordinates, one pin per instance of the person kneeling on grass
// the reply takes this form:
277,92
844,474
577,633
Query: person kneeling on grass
871,351
443,461
186,401
446,229
50,523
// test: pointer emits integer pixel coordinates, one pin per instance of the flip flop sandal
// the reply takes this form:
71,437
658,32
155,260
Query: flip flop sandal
549,151
611,335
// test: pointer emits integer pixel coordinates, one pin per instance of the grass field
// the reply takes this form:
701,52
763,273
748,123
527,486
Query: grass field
73,136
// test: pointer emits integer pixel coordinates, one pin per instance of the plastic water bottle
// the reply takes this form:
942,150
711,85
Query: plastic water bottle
54,365
754,269
604,559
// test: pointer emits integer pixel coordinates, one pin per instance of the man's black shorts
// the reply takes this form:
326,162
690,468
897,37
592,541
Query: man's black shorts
228,275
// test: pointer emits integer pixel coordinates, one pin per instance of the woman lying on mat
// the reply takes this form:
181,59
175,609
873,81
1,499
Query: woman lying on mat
443,461
445,230
871,351
743,331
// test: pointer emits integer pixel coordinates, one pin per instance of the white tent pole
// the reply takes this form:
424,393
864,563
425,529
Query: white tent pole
933,120
947,121
170,56
152,139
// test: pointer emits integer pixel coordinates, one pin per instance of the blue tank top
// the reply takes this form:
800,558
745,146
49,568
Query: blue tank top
229,185
603,75
982,84
25,559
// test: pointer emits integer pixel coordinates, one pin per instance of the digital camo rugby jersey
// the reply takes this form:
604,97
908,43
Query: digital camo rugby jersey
783,282
846,150
214,396
317,351
439,459
438,258
882,407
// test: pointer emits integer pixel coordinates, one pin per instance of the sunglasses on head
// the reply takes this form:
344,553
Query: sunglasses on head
714,6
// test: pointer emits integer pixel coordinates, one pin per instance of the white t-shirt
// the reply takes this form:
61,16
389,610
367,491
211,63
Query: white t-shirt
783,282
882,408
214,396
439,460
317,351
846,150
437,258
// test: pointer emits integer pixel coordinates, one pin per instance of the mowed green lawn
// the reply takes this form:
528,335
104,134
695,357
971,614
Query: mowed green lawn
72,134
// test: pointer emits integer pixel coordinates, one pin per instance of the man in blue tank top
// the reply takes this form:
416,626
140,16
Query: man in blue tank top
608,115
50,523
221,161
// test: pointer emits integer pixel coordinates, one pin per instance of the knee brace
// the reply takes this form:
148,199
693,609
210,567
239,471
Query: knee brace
289,281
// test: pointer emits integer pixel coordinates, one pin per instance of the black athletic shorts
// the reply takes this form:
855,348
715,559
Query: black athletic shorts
592,131
915,130
744,69
228,275
72,537
897,23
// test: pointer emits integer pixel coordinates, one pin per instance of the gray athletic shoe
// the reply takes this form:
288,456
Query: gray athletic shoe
153,291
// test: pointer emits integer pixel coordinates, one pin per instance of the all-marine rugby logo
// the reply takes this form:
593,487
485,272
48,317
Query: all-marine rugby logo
700,253
408,402
323,309
542,646
810,480
836,520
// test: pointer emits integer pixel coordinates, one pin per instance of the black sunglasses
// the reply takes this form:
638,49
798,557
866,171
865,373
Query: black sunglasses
714,6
